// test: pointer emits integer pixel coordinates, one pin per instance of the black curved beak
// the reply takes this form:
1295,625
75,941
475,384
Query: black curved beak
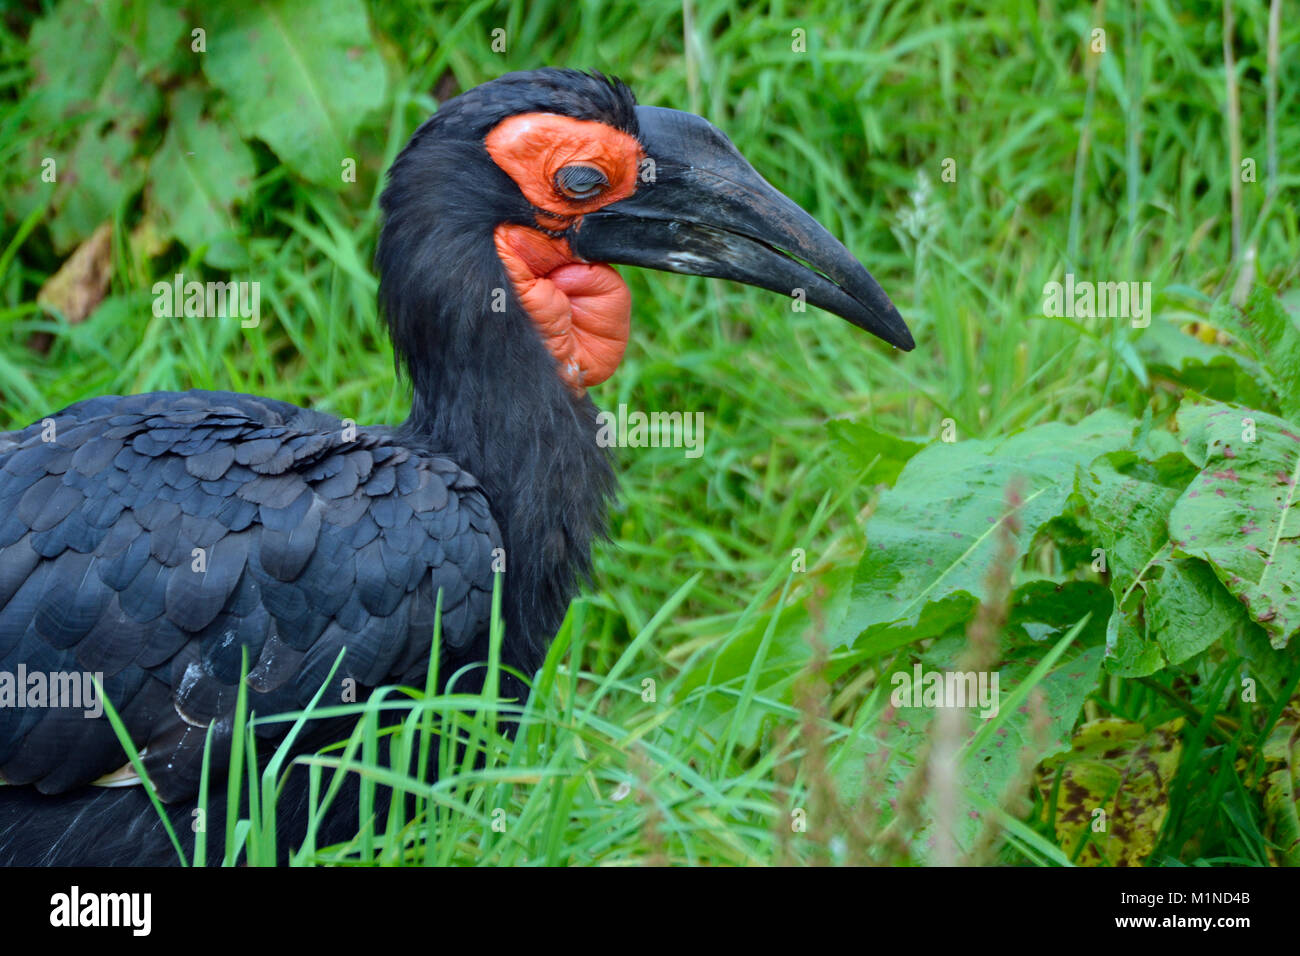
701,209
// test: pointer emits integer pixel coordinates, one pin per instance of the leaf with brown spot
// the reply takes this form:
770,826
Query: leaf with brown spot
1240,513
1280,794
1122,768
1166,608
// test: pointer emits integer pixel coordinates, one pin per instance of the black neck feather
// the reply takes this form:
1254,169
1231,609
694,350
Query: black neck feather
486,392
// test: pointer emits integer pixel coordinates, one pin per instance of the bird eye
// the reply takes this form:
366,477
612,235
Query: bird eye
580,182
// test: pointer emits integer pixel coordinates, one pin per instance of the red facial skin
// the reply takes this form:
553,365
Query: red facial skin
582,310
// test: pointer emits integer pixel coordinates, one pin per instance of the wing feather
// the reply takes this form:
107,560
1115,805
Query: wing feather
160,538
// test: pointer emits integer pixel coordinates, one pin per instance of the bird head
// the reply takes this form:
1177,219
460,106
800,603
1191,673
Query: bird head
559,175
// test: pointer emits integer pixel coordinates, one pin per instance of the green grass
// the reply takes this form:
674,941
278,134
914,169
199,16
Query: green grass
1113,173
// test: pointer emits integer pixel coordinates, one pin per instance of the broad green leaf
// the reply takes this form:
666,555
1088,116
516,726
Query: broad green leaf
1114,790
1166,608
101,171
1269,669
1239,514
155,30
70,58
88,80
934,535
1044,610
862,447
202,170
300,75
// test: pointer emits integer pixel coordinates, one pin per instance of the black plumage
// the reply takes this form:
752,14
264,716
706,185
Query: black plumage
157,539
164,599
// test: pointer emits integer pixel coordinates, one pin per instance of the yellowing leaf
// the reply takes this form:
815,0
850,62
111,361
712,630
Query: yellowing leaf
1114,790
82,281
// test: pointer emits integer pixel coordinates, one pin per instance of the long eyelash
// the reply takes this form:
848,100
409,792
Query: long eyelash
575,178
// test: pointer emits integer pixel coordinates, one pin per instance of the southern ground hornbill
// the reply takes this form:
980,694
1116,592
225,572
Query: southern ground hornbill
501,217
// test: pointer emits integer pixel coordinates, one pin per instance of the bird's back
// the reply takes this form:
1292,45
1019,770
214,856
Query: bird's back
151,539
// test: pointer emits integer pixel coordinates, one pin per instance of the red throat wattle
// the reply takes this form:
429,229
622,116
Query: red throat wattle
582,310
